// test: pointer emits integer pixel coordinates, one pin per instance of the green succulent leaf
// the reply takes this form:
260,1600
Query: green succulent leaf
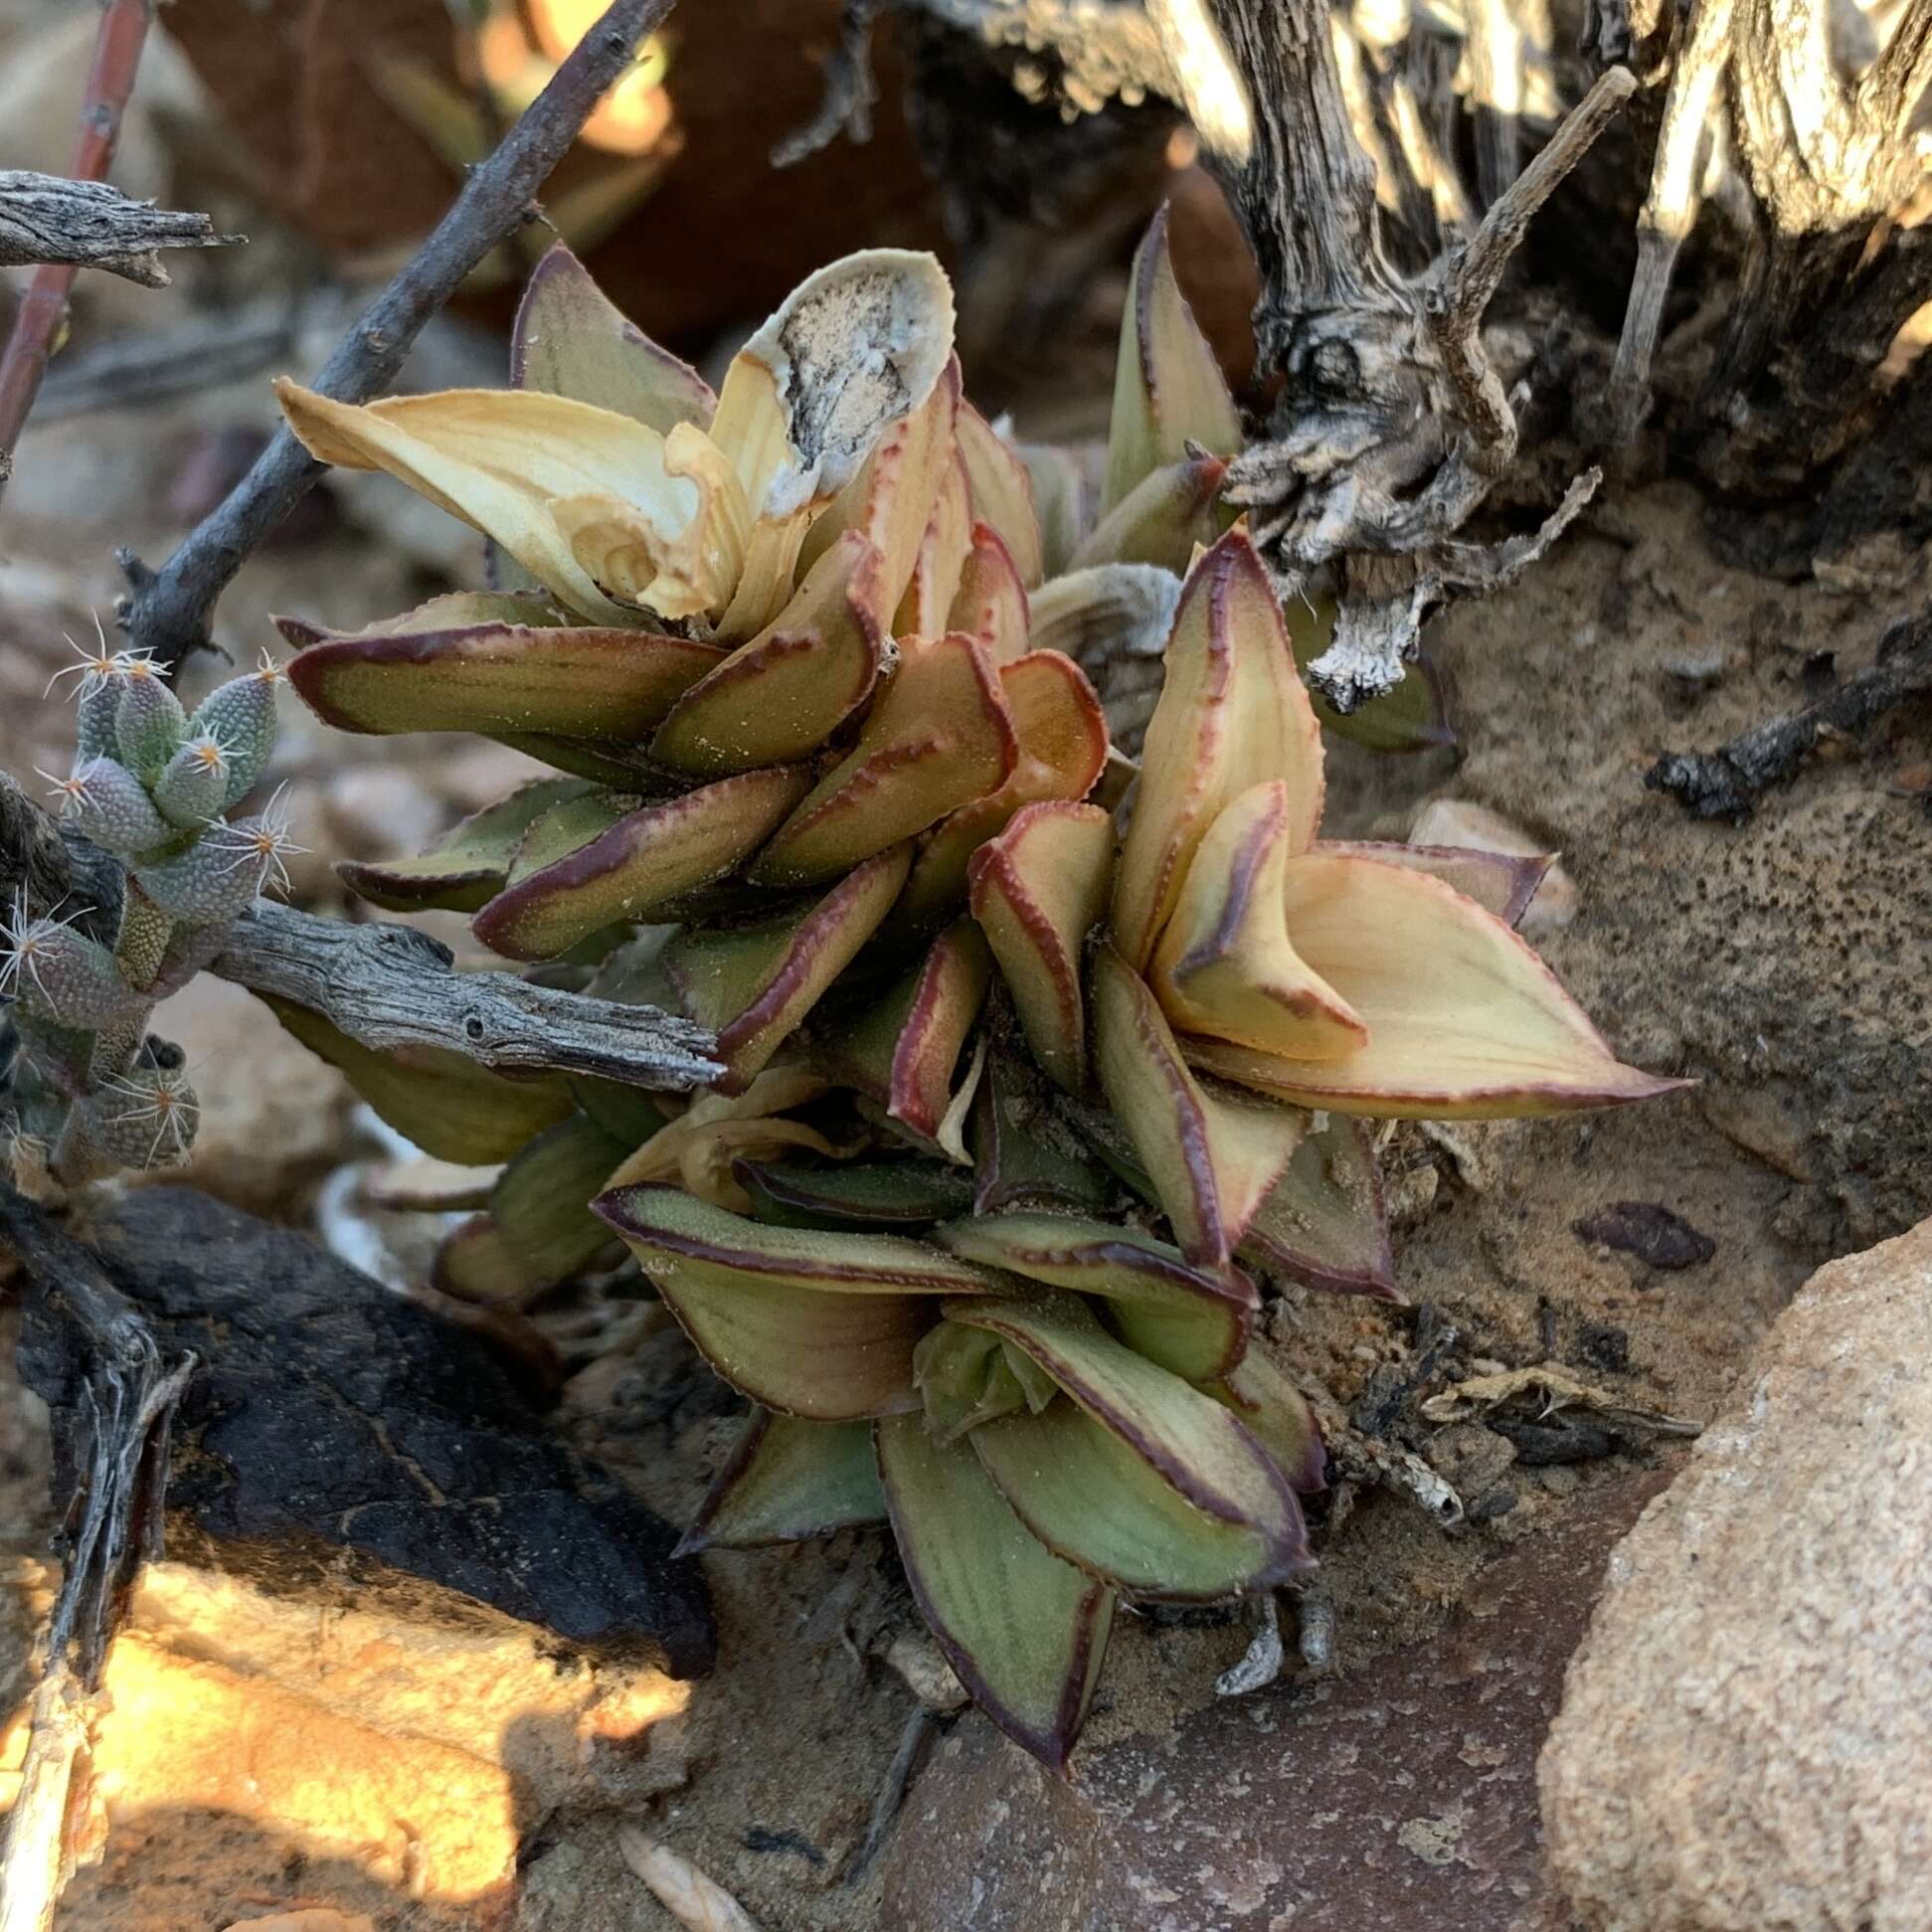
753,986
541,1203
1025,1631
1168,389
1203,1510
1094,1499
476,1265
447,1104
855,1194
1414,717
469,864
815,1325
787,1480
490,664
1190,1322
571,341
1279,1415
1160,520
1323,1223
635,867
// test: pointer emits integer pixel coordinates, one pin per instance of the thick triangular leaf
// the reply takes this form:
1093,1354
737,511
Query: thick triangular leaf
890,502
494,677
571,341
541,1203
990,600
1323,1223
810,1323
1037,890
1502,883
1278,1415
939,736
469,864
787,1480
1168,389
1212,1158
1464,1020
1162,522
1192,1444
1001,490
1091,1497
1225,966
864,1195
1025,1631
1232,714
641,865
753,985
943,553
967,1377
1062,735
1190,1322
783,694
903,1048
447,1104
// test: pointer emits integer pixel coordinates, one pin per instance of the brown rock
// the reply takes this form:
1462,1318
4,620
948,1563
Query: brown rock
1398,1798
1744,1734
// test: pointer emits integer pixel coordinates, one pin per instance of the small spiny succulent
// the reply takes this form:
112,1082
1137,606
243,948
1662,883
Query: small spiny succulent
90,1091
1024,1094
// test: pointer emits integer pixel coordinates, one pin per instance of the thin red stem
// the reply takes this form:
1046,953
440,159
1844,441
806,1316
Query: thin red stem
111,85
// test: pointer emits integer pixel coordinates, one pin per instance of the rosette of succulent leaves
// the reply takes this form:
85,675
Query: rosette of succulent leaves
1032,1075
90,1092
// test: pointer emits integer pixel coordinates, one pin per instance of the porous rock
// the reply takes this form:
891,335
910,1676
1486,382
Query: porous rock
1400,1797
1745,1732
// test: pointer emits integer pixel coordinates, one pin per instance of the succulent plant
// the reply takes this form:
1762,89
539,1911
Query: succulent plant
1016,1111
151,784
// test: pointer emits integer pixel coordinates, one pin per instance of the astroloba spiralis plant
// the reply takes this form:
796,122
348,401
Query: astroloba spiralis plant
1015,1111
90,1091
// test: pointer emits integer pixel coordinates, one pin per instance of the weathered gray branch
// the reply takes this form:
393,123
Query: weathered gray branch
89,224
1724,783
115,1471
391,987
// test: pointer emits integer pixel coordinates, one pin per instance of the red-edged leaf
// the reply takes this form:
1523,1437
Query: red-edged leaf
753,985
1324,1224
941,734
783,694
1161,521
943,553
642,864
1062,735
1502,883
1037,890
1279,1416
1002,489
991,602
1232,714
571,339
1168,389
1190,1322
468,864
787,1480
493,678
1464,1020
810,1323
1025,1631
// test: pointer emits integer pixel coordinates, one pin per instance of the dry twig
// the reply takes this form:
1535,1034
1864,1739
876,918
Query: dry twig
391,989
117,1472
45,218
110,83
166,611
